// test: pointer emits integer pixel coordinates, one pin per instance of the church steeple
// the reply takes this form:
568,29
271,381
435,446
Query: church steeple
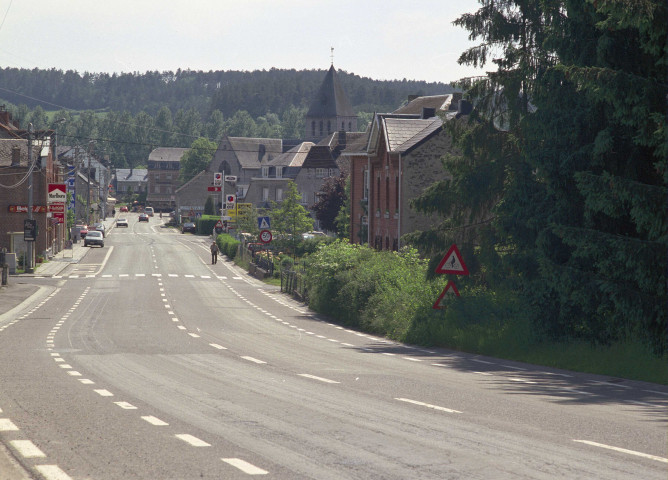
330,110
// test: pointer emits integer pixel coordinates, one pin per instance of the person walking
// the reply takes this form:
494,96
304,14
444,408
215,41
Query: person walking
214,253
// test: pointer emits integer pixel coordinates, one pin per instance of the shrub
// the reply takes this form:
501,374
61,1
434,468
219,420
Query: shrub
228,245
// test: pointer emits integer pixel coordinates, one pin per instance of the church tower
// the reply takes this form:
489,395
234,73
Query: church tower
330,111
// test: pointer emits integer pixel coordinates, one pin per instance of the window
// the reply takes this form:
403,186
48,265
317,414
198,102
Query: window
365,187
350,128
265,194
313,128
320,172
329,126
396,192
265,172
387,193
343,125
320,127
279,194
279,172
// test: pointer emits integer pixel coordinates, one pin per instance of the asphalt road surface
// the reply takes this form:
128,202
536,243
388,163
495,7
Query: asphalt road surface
144,361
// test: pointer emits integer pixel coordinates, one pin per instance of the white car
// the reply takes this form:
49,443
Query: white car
94,237
122,222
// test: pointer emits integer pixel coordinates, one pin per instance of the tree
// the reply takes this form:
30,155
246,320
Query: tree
196,159
209,207
331,199
241,124
289,218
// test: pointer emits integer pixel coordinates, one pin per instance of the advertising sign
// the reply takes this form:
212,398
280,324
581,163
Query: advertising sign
57,193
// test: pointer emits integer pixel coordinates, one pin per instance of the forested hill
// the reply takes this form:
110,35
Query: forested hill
257,92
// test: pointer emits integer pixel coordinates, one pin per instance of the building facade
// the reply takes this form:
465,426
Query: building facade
163,177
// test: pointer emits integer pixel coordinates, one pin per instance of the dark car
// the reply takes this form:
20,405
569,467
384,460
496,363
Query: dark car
122,222
94,237
143,217
189,227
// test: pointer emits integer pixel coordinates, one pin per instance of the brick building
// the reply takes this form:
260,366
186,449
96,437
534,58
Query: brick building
163,177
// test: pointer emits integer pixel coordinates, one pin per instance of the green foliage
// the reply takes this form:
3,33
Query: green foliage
209,207
228,245
196,159
330,201
206,223
289,218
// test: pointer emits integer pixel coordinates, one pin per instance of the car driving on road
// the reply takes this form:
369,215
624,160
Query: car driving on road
122,222
143,217
94,237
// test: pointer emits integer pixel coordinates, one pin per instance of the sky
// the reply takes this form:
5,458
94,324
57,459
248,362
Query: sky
379,39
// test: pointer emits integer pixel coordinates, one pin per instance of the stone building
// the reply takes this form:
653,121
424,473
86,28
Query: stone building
163,177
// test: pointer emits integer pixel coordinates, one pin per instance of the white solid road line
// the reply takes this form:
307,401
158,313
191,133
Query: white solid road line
27,449
623,450
244,466
52,472
422,404
326,380
6,425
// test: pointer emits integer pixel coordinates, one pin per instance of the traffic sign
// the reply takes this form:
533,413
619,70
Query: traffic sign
452,263
265,236
450,289
263,223
219,224
218,180
214,189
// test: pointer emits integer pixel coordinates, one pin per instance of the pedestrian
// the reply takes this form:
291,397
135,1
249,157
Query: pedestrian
214,253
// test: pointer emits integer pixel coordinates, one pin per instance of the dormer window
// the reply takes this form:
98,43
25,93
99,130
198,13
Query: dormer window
279,172
265,172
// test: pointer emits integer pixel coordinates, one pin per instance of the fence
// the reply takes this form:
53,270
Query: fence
292,282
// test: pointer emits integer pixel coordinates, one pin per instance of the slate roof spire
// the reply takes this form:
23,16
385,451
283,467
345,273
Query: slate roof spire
330,107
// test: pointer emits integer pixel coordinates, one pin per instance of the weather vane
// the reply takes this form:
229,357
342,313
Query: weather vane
332,54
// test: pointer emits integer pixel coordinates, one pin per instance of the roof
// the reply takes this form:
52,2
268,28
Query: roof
6,147
294,157
358,144
402,134
252,152
166,154
331,100
437,102
131,174
319,156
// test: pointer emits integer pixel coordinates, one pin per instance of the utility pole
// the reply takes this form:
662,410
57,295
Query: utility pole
88,154
30,245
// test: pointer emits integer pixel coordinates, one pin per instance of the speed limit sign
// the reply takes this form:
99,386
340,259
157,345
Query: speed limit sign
265,236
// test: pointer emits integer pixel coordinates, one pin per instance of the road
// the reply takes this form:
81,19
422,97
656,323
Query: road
146,362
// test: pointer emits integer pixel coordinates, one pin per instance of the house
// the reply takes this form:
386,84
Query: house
130,180
18,172
163,177
330,110
402,157
318,165
93,194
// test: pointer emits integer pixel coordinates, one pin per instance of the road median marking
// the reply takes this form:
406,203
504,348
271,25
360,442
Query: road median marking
427,405
320,379
244,466
624,450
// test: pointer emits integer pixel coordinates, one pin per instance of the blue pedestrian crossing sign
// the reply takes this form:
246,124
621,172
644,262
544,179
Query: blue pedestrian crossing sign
263,223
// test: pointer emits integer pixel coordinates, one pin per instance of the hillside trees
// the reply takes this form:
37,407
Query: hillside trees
567,145
196,159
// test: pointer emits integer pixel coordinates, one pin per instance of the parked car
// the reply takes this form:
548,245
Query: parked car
100,228
189,227
148,211
143,217
124,209
83,230
122,222
94,237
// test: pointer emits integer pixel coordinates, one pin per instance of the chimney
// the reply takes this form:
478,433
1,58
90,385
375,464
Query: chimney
16,156
428,112
465,108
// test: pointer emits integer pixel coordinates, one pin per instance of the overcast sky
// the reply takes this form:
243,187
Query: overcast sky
380,39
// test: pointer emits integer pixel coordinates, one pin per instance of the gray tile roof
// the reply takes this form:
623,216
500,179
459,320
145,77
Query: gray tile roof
402,134
253,152
6,146
294,157
131,174
165,154
319,157
438,102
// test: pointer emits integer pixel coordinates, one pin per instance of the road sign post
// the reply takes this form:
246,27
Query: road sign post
453,264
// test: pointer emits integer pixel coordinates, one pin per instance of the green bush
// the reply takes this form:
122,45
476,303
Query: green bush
206,223
228,245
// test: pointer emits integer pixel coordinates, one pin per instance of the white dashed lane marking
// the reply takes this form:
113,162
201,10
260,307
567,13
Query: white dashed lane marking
190,439
433,407
154,421
244,466
52,472
320,379
27,449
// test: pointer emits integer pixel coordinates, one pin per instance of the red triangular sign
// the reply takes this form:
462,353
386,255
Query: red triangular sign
219,224
451,289
453,263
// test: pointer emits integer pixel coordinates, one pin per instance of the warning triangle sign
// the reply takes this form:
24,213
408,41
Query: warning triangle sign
450,289
219,224
452,263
